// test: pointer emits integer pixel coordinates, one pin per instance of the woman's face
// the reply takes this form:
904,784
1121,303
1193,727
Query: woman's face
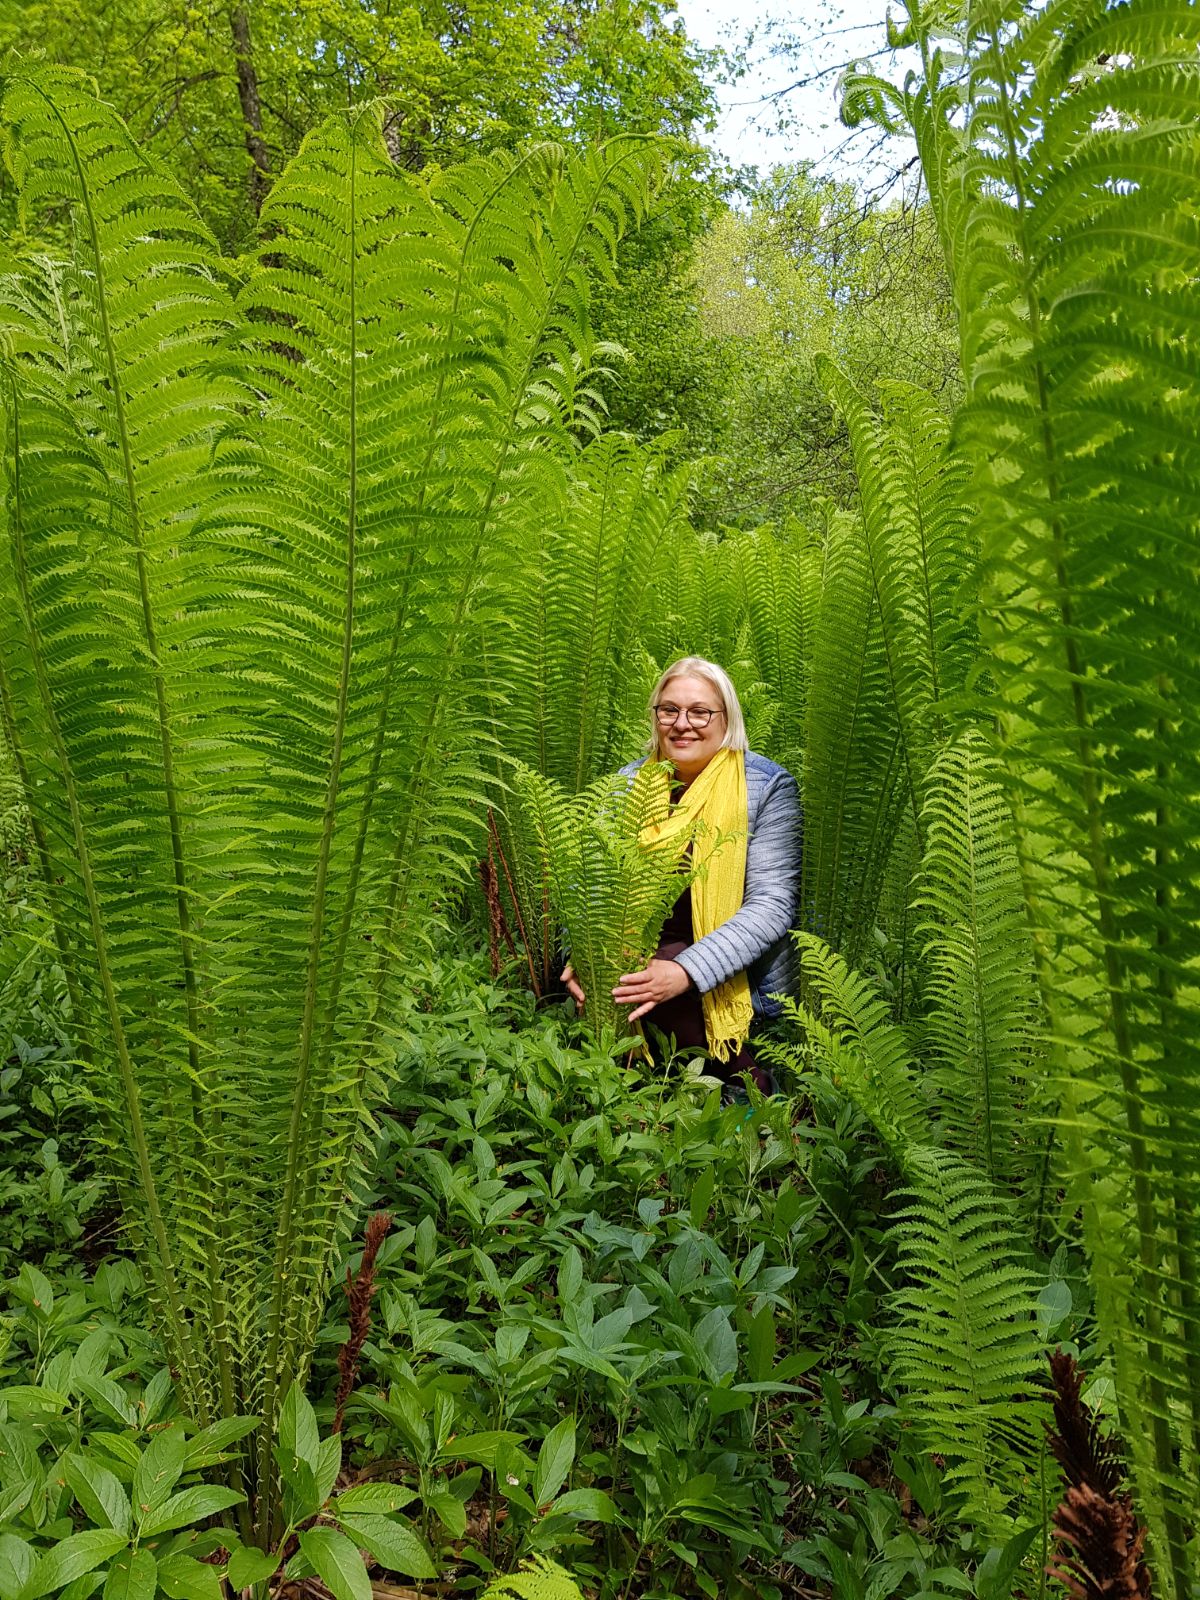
689,748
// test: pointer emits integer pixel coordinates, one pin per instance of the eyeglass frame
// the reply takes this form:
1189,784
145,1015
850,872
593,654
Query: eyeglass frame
707,712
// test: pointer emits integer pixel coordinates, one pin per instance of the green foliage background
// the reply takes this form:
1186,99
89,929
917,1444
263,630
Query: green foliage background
311,533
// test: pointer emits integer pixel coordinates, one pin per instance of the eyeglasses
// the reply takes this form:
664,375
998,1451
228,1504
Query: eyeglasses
698,716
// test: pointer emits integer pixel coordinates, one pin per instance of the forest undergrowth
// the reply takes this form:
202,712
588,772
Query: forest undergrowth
609,1320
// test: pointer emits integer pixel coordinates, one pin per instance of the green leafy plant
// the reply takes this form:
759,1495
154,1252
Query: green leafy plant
244,546
608,892
966,1343
1060,162
541,1579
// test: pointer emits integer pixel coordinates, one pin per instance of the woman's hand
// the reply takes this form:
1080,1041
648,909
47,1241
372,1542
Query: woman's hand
573,989
661,980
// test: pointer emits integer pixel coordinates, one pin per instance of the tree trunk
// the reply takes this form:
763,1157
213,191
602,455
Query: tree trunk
247,84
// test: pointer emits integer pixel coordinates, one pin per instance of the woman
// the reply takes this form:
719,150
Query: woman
725,950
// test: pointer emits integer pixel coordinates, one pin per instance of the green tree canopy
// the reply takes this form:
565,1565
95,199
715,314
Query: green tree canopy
223,91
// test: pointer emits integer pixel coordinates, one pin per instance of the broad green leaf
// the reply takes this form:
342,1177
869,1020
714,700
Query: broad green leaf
17,1561
999,1567
554,1462
715,1336
14,1499
298,1432
159,1470
182,1577
33,1287
32,1399
208,1447
71,1558
98,1491
380,1497
329,1464
1053,1306
393,1544
109,1399
723,1402
337,1563
592,1505
760,1344
156,1396
449,1510
88,1359
701,1197
132,1576
83,1587
249,1565
188,1506
570,1275
796,1365
481,1447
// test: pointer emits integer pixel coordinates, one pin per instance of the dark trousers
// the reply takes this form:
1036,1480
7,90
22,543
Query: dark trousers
682,1018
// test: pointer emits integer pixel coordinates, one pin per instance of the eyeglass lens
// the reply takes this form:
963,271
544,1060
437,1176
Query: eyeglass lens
697,716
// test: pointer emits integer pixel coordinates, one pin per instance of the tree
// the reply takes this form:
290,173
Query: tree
223,91
811,268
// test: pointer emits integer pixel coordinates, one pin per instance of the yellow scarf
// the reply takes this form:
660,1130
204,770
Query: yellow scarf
717,800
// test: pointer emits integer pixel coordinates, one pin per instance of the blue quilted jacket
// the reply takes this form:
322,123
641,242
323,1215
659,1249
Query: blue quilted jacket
756,938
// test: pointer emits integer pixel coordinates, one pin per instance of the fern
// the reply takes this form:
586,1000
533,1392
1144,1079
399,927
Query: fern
964,1349
243,566
1066,195
917,522
539,1579
979,957
853,780
607,893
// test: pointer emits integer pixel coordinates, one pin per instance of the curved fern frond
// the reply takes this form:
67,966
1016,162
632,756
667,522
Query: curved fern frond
609,894
965,1348
917,520
853,779
1068,207
979,955
115,400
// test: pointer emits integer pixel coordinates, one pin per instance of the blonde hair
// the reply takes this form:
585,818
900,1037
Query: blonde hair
722,685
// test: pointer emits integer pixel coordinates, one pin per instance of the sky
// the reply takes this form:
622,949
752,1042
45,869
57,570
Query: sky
759,126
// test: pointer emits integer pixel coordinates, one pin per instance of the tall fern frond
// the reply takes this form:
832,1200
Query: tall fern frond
853,788
981,978
241,656
964,1349
917,520
575,604
779,578
112,405
1068,199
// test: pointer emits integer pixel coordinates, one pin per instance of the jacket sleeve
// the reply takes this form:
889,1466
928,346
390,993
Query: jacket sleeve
768,909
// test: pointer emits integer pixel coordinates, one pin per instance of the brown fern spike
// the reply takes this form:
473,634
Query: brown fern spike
1099,1543
491,893
1086,1456
360,1290
1100,1547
